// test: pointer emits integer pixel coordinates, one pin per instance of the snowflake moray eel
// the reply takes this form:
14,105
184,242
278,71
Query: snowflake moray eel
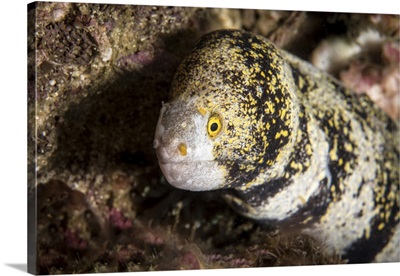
289,144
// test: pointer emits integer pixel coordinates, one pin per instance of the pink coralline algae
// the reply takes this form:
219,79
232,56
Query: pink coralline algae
119,220
190,261
139,58
360,77
391,52
74,241
380,82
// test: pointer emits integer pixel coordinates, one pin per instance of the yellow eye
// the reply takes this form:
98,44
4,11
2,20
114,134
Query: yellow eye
214,125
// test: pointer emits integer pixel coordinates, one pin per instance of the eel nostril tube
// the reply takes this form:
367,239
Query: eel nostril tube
182,149
156,143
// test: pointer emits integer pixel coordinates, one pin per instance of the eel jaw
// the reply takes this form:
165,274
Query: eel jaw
193,176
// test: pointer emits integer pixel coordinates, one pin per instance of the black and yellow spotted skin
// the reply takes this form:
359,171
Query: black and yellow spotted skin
291,146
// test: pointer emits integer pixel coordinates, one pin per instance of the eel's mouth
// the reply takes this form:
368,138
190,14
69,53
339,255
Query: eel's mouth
193,176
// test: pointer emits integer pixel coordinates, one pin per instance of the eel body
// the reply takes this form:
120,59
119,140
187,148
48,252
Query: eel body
288,143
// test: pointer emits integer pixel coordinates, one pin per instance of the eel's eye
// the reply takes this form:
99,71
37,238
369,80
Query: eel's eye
214,125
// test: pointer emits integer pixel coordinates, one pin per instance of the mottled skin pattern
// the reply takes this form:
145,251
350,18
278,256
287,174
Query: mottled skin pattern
297,149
